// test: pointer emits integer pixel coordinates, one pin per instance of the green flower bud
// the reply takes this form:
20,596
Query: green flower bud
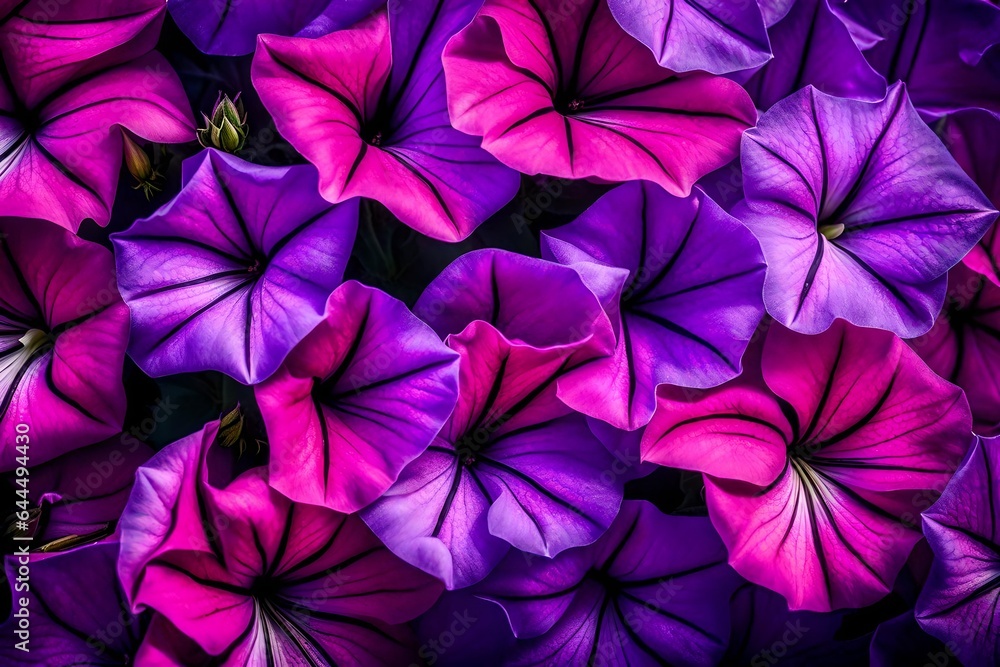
138,164
227,128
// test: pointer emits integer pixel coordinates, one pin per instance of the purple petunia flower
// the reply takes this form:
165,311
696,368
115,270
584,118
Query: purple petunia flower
958,604
964,345
248,574
81,494
860,212
513,466
68,82
764,630
63,331
559,88
900,641
972,137
812,466
77,613
359,398
230,27
717,36
653,590
812,46
682,280
233,272
368,107
945,51
540,304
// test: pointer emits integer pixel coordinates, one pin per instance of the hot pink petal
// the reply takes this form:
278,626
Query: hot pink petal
549,96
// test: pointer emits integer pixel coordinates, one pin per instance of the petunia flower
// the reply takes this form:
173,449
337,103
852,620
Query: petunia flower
944,52
63,332
964,345
359,398
958,604
812,46
235,270
77,613
368,107
249,575
901,641
531,301
763,627
230,27
712,35
680,278
653,590
972,137
860,212
815,471
68,83
560,89
512,466
81,495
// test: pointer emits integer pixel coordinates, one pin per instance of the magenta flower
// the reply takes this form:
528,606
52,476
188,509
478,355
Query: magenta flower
63,331
812,46
233,272
971,138
230,27
681,279
68,82
560,89
964,345
860,212
944,51
513,466
653,590
712,35
249,575
958,605
811,470
359,398
367,106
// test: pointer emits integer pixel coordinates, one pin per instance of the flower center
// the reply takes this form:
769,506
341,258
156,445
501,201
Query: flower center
605,580
376,139
832,231
15,362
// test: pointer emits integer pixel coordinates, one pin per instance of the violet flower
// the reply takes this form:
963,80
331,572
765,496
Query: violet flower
235,270
717,36
653,590
231,27
860,212
945,52
812,46
680,278
958,604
